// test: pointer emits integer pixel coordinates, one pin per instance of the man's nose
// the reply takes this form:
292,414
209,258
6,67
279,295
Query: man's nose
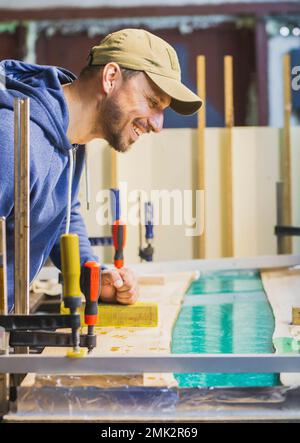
156,122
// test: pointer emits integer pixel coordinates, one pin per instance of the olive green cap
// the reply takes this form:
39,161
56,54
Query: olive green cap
140,50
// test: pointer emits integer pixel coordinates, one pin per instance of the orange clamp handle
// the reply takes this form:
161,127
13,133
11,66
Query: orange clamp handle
90,287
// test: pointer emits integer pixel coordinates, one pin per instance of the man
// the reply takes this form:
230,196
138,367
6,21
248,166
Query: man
132,76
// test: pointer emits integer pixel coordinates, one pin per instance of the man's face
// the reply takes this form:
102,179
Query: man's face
135,107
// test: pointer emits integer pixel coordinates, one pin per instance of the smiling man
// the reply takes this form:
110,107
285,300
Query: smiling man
131,77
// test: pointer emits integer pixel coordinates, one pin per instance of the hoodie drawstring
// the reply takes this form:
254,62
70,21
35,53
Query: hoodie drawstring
69,204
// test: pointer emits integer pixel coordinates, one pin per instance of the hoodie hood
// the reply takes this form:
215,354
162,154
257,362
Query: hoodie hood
42,84
53,180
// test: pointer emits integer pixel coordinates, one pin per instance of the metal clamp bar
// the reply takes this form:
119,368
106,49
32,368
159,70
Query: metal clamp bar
3,267
4,380
39,321
184,363
53,339
287,230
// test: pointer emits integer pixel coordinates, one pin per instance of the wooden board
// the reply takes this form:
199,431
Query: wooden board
131,341
282,287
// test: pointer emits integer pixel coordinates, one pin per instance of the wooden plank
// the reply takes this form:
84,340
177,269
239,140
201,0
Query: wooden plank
152,279
140,314
21,209
201,88
130,341
228,91
114,169
21,205
286,154
296,315
282,287
226,162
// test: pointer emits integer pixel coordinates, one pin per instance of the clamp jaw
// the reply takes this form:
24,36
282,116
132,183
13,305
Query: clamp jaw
37,331
147,252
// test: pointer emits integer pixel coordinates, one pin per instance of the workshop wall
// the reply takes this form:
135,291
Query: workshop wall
278,47
11,41
167,161
60,33
66,43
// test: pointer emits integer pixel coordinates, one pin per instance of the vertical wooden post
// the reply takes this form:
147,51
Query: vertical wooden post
286,154
226,162
21,208
114,169
201,89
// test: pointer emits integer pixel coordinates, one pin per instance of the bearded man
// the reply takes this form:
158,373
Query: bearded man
131,77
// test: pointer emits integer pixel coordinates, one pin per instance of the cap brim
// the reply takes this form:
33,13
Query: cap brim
183,100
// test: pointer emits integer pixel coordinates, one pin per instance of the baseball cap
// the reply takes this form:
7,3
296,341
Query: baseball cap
140,50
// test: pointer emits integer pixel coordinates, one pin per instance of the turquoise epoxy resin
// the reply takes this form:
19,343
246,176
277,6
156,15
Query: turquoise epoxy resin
225,312
226,281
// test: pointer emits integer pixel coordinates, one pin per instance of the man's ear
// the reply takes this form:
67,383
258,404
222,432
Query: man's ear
110,76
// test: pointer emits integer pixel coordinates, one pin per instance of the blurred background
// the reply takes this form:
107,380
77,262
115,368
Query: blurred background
257,34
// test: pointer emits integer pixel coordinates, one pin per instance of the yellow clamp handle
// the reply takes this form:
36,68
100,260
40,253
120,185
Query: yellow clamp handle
70,264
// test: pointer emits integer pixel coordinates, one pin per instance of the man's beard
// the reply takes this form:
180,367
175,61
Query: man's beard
111,123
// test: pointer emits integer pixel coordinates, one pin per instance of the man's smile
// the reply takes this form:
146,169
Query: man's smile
137,130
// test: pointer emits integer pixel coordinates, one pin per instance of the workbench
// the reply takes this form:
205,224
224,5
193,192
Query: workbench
129,376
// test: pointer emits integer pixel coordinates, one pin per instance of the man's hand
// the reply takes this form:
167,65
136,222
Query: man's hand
119,286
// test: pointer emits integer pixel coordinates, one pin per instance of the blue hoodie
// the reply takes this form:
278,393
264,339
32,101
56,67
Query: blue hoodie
49,164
